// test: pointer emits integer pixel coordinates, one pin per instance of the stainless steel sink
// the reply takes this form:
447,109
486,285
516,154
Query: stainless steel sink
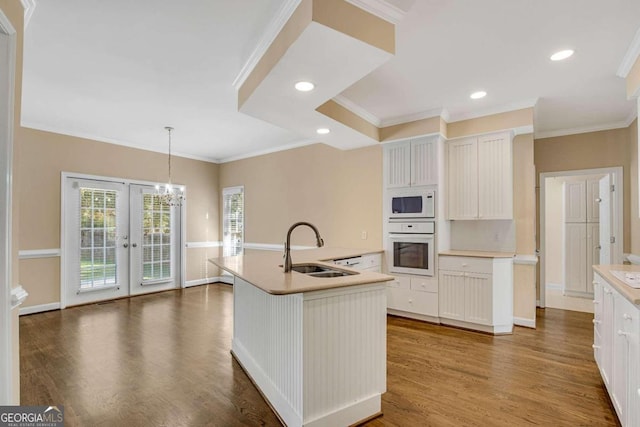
318,270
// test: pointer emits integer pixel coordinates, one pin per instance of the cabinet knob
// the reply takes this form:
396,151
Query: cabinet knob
464,264
596,302
596,322
595,346
627,317
623,333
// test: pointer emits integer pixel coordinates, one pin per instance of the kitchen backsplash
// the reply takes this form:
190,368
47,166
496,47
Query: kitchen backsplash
485,235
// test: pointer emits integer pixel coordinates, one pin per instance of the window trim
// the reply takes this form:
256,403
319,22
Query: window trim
229,191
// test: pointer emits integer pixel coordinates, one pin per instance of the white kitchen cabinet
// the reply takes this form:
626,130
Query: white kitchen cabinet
617,349
476,293
592,200
575,259
495,177
480,177
412,163
413,296
581,235
575,201
463,179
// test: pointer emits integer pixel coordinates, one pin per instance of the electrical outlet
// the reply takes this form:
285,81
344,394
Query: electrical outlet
363,235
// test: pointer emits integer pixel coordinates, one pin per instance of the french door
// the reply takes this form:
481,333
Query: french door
119,240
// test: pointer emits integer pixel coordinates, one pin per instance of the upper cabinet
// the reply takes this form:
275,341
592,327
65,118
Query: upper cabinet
480,177
412,163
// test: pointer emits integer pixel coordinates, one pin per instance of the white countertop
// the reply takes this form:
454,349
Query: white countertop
628,292
477,254
263,269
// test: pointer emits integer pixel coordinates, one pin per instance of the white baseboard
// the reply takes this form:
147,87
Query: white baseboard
527,323
207,280
39,308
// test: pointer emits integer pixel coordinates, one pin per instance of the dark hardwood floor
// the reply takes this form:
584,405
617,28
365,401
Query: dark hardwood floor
163,360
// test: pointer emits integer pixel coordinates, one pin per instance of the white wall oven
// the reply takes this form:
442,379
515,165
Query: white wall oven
410,247
411,203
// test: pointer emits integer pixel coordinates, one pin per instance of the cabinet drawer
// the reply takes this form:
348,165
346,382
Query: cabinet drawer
424,284
400,282
467,264
424,303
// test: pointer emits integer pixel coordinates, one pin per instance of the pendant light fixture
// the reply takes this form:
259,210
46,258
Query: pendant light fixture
168,194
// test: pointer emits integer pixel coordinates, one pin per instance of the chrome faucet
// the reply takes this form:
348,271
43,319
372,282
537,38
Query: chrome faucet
287,244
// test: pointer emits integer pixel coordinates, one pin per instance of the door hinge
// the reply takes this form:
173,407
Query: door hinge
612,239
613,188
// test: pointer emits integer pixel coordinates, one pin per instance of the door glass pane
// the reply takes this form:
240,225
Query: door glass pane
97,238
156,239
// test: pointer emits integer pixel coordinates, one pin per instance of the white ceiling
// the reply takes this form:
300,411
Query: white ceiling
119,71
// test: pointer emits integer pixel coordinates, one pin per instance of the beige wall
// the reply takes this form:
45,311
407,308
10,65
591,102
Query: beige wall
13,10
633,79
45,155
338,191
634,220
524,284
592,150
554,230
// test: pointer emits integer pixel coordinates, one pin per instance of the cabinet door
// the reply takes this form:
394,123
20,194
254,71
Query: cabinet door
463,179
495,177
575,204
575,259
398,165
606,355
424,161
593,252
478,298
451,294
593,206
625,317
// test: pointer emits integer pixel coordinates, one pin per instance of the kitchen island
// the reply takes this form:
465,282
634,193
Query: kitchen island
314,346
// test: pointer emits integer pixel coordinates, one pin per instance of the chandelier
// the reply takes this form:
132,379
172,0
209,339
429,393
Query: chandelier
167,193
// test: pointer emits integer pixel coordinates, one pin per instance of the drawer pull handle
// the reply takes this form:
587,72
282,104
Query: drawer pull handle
464,264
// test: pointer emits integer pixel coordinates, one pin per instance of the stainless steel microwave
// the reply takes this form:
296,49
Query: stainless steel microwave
410,203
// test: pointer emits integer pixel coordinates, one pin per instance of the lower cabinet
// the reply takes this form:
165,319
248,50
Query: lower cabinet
617,349
476,293
413,296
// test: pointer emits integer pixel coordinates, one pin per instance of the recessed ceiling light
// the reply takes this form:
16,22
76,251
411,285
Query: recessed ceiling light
304,86
477,95
563,54
323,131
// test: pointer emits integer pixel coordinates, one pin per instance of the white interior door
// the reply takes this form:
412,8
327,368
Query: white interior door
96,221
154,242
606,249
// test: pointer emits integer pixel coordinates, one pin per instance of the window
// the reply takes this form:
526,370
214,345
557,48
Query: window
156,244
232,220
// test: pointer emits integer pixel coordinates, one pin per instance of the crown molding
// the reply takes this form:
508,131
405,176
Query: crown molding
514,106
358,110
630,57
273,29
381,9
298,144
29,6
60,131
406,118
583,129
